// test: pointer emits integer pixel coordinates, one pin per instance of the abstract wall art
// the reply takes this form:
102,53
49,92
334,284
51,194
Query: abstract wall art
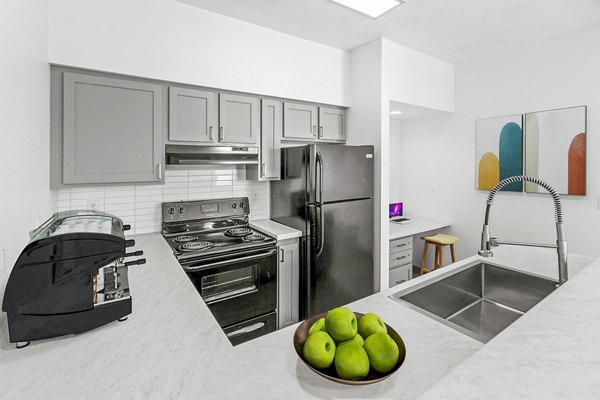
555,149
499,151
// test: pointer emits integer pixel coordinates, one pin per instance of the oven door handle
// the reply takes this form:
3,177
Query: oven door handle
226,262
246,329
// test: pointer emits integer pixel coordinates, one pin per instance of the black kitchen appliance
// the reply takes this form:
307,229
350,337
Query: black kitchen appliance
233,267
326,191
70,278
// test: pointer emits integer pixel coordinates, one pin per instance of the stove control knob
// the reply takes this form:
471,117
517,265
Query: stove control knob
233,205
180,210
171,210
242,204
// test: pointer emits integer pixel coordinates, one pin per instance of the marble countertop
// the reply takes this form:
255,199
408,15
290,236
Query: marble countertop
275,229
172,348
415,226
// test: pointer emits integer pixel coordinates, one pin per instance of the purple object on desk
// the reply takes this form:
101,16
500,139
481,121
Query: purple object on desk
395,210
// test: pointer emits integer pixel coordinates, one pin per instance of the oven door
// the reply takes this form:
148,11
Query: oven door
237,289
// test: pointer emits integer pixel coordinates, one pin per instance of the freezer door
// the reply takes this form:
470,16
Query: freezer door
348,172
289,195
341,270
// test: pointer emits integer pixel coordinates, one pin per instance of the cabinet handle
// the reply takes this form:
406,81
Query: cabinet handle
264,169
221,134
401,258
314,131
211,133
160,171
281,255
321,132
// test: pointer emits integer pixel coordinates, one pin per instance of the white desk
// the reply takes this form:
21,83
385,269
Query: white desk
401,245
417,225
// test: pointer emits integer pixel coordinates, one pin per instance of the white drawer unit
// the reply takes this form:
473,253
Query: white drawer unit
400,274
401,244
401,256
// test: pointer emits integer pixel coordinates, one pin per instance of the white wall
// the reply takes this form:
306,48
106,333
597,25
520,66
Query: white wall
169,40
24,124
365,127
439,151
415,78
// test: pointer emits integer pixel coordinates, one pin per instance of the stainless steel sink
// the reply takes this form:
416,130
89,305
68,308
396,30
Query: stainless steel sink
479,299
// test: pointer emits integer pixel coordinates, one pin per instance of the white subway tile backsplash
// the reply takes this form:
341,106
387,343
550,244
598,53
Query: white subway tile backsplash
228,171
140,205
197,172
176,172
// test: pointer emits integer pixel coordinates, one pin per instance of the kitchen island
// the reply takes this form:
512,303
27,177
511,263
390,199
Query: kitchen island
172,348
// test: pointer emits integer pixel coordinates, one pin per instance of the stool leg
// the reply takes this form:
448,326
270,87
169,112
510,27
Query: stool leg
452,253
437,257
441,260
424,258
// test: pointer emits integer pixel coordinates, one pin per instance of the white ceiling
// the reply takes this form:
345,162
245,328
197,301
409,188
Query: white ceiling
452,30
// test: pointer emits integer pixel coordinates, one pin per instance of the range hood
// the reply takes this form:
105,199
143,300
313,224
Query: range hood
183,155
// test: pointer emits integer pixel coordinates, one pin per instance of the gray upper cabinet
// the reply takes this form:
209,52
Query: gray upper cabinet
239,119
270,139
300,121
112,130
192,115
332,124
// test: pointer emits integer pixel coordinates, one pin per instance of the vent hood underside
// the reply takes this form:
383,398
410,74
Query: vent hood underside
210,155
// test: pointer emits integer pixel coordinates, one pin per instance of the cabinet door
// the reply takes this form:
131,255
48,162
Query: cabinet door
192,116
239,118
112,130
299,121
270,139
332,124
400,274
289,285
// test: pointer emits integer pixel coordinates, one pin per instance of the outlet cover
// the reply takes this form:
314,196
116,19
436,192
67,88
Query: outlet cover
92,205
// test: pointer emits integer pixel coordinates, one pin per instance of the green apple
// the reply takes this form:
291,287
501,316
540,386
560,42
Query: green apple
319,350
369,324
319,325
357,339
351,361
382,351
341,324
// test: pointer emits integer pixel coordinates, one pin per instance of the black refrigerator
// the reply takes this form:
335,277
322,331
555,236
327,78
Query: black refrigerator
326,191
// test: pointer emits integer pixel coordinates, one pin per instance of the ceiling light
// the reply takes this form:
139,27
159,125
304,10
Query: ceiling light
395,112
371,8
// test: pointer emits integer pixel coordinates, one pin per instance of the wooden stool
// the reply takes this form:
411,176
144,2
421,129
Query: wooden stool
439,241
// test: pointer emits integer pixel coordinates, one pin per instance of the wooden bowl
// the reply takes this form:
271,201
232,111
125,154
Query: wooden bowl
329,373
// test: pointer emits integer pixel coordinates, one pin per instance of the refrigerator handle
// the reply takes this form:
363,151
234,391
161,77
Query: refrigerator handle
321,229
319,194
319,200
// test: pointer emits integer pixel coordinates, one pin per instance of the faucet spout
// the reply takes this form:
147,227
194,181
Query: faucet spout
487,242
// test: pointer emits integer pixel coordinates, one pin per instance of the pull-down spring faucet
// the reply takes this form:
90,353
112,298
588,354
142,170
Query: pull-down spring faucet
488,242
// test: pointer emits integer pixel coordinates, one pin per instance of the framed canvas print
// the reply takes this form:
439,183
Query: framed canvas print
499,151
556,150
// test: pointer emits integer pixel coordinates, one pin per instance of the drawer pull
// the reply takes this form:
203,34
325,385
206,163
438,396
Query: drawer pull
401,258
246,329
